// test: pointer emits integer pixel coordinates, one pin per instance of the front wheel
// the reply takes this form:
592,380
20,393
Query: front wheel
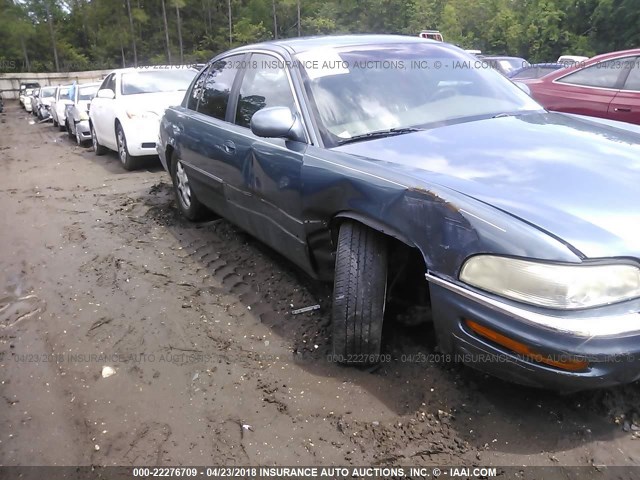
188,203
359,294
97,148
55,123
128,162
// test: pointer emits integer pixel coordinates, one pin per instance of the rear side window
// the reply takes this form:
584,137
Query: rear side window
603,74
265,84
633,80
217,87
196,91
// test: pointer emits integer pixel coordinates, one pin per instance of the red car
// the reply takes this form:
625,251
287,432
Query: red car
606,86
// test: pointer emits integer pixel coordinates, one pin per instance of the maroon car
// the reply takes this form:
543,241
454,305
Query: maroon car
606,86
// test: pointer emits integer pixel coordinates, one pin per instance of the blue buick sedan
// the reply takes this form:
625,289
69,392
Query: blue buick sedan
396,167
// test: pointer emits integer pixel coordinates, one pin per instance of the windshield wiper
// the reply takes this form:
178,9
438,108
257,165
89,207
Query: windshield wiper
379,134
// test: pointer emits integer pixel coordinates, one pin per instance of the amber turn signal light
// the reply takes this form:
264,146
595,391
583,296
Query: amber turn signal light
571,365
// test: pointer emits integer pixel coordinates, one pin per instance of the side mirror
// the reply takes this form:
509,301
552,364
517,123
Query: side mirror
277,122
524,87
106,93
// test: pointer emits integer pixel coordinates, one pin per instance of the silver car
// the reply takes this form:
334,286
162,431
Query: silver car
77,112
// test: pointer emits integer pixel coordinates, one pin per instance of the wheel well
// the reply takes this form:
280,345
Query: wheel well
168,154
407,287
373,224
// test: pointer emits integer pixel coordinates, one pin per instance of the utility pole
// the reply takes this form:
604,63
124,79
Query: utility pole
230,24
275,20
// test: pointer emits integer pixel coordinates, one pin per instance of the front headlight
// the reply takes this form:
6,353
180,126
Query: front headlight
552,286
84,115
142,114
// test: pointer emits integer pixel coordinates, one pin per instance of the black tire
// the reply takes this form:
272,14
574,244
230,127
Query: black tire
128,162
97,148
55,123
62,126
359,294
69,132
191,209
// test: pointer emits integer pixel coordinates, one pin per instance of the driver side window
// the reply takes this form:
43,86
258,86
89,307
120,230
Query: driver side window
265,84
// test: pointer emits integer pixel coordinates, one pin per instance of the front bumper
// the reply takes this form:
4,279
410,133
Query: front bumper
142,136
607,337
83,129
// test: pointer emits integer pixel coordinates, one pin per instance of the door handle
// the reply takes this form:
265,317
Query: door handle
618,109
229,147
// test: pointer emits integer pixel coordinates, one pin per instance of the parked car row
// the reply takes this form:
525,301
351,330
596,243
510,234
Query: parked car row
516,226
125,113
26,91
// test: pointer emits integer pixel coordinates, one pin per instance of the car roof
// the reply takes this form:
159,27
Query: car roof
501,57
620,53
302,44
152,68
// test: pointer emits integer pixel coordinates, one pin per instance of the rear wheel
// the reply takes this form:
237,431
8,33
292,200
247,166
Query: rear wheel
359,294
97,148
128,162
188,203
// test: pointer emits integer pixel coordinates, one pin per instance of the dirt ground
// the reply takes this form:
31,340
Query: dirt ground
211,368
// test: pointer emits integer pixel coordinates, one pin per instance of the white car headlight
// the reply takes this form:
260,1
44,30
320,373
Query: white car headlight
142,114
84,115
552,285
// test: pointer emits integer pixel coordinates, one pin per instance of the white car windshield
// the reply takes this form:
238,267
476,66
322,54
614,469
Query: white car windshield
363,89
64,94
87,93
154,81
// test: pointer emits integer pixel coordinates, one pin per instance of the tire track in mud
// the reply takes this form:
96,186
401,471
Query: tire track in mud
226,261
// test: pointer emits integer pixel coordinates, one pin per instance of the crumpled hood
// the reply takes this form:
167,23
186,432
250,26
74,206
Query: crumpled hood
573,177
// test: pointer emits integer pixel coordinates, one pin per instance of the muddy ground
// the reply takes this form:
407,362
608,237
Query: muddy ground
211,368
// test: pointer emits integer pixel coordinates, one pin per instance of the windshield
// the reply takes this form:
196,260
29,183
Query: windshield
47,92
367,89
64,93
87,93
157,81
510,64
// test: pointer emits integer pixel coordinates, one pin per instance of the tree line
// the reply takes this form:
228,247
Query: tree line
73,35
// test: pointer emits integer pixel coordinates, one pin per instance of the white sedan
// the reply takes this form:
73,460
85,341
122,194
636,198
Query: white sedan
125,114
59,105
